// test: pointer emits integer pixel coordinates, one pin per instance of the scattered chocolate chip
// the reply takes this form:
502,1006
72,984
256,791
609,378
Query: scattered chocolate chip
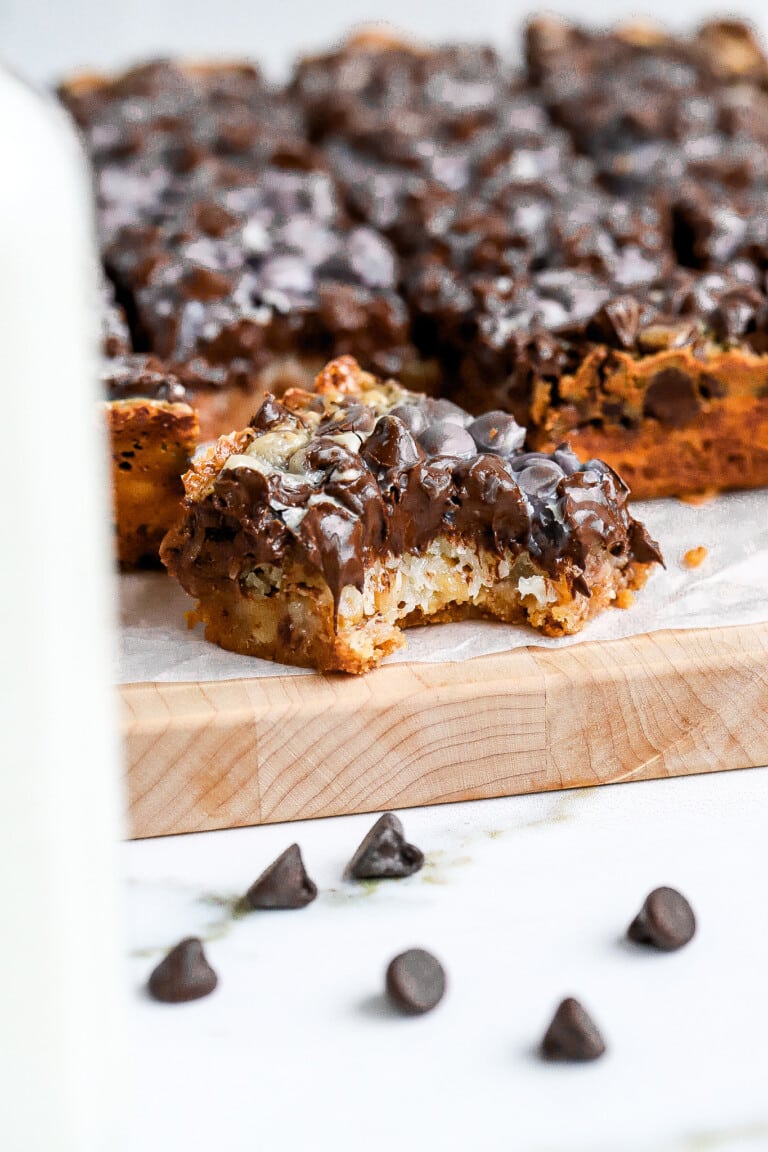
572,1035
665,921
284,884
415,981
385,853
184,974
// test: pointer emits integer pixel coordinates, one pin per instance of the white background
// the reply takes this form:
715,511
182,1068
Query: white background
46,38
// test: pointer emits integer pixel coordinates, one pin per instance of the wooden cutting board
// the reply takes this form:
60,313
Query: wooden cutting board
231,753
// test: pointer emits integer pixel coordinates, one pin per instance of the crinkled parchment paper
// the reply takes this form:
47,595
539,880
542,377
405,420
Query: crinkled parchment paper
730,587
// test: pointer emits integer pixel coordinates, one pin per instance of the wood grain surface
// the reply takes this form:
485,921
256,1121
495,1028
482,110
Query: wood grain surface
226,754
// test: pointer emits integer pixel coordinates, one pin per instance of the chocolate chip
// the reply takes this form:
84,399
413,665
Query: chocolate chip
572,1035
284,884
214,220
371,258
497,432
567,459
446,411
671,398
444,438
390,445
617,322
540,478
710,386
412,415
734,314
284,279
204,284
415,981
353,418
184,974
385,853
271,413
665,921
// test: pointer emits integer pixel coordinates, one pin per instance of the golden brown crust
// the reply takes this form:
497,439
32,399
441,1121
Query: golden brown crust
718,440
151,443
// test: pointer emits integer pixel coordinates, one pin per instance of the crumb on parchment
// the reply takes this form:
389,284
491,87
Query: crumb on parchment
695,557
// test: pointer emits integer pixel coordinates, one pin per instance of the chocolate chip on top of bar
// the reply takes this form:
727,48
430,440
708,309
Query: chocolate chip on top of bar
340,516
269,268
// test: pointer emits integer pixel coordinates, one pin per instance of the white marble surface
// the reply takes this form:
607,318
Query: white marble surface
525,900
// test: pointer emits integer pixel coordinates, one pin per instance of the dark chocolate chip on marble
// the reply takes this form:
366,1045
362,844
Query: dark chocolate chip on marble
184,974
284,884
415,981
497,432
572,1035
665,921
444,438
385,853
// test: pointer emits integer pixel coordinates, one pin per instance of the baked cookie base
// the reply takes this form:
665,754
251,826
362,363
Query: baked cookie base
288,615
726,450
691,424
150,443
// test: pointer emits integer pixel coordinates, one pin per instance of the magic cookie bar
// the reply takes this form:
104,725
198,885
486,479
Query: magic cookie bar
340,517
152,435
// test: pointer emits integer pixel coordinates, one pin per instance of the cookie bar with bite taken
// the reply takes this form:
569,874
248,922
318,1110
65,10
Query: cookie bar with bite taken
342,516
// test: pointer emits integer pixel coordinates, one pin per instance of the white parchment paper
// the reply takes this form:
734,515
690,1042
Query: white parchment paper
730,587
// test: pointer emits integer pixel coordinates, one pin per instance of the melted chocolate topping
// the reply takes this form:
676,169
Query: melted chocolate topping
368,489
403,203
